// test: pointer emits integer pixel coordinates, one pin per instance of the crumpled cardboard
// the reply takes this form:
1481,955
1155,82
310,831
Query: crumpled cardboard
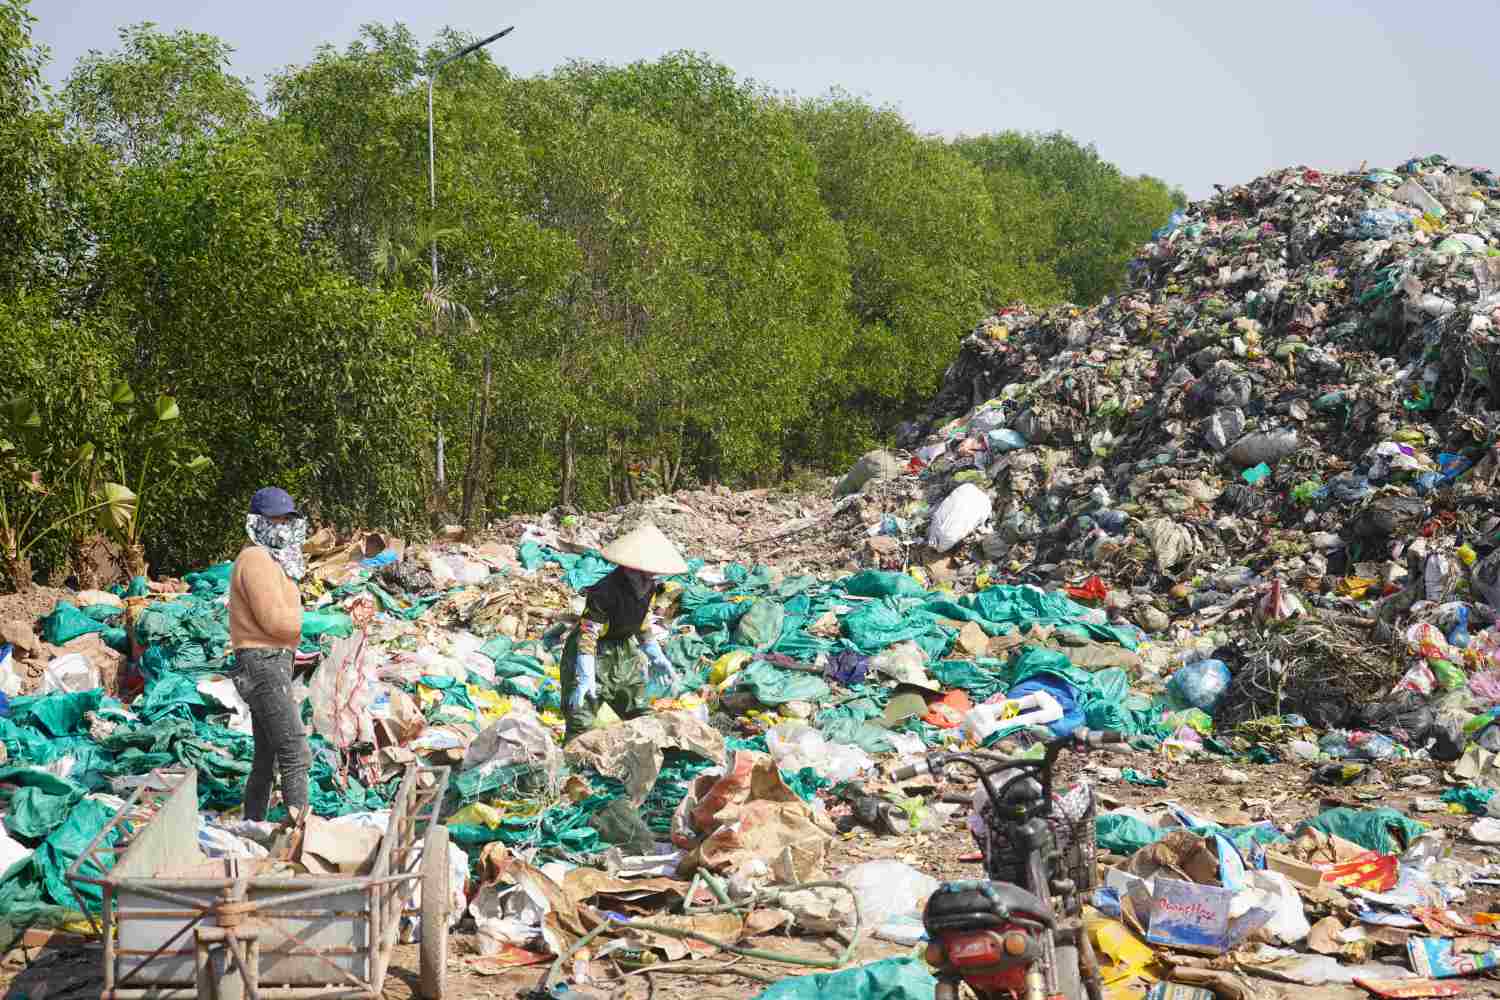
632,751
328,848
765,828
1180,855
725,927
518,738
329,560
610,892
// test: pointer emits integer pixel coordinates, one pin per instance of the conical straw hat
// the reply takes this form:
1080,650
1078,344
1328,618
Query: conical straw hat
647,550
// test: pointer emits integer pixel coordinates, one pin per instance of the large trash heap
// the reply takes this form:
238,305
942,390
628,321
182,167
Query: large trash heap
1240,513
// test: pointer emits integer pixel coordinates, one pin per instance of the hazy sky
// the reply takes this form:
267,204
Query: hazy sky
1196,92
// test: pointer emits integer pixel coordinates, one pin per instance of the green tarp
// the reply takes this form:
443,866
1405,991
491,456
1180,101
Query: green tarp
999,609
760,627
887,979
878,583
773,686
40,804
1385,830
67,623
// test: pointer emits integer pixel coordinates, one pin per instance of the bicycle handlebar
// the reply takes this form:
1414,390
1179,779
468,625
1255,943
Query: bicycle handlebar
1079,738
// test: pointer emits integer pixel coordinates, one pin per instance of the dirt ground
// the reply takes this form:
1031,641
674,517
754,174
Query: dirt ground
33,604
1276,791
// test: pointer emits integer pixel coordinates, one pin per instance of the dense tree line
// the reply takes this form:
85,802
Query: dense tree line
647,275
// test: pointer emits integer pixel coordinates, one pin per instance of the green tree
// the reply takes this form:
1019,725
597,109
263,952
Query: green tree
1101,216
734,363
29,148
357,119
923,254
312,380
156,94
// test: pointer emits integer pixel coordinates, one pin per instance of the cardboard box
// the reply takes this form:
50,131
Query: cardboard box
1190,916
1444,958
1302,874
337,849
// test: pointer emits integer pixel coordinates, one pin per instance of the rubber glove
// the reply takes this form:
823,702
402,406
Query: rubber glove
658,668
585,682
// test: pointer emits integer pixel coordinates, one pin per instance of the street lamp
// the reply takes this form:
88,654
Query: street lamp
442,477
431,149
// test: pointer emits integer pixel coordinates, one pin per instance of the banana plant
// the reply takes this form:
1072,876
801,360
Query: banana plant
151,438
28,508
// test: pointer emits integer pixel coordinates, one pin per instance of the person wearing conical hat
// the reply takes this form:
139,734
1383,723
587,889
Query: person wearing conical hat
602,659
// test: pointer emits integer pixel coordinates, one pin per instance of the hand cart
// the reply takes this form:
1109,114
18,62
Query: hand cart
237,934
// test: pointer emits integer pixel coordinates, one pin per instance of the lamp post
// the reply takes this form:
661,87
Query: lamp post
431,147
442,473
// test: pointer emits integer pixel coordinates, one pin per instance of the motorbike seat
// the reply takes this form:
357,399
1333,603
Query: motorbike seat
982,903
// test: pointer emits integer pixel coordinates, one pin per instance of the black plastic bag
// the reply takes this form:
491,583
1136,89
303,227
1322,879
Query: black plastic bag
1405,717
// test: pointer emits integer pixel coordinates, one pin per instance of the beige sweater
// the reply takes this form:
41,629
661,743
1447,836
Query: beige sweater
265,610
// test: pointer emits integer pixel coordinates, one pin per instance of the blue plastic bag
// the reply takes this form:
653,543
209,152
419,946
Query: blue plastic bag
1065,694
1003,439
1458,635
1201,684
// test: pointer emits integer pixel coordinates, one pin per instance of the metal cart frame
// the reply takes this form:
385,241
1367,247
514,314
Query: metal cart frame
263,938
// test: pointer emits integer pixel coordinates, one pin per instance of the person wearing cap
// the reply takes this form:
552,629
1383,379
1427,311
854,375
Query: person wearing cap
265,626
601,662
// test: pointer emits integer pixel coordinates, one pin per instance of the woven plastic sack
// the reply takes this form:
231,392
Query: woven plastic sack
342,692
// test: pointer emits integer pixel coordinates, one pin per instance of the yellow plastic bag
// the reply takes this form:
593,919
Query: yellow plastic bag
727,666
478,814
492,706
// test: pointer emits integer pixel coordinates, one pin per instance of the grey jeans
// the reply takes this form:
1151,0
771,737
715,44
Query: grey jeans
263,677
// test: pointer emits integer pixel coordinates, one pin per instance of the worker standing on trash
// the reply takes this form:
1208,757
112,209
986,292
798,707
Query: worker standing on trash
265,626
602,659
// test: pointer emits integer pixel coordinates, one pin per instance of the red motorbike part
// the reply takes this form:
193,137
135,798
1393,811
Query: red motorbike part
991,961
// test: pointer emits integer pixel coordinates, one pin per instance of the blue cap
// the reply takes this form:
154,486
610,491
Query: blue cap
272,501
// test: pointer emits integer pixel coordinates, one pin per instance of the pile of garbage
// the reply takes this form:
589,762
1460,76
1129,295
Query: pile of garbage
1287,417
1239,514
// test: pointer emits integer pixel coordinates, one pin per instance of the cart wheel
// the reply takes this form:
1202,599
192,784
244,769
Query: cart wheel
434,947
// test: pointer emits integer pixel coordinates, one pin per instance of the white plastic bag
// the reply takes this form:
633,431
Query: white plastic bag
1273,893
10,677
957,517
342,691
11,852
888,890
795,745
222,690
69,674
